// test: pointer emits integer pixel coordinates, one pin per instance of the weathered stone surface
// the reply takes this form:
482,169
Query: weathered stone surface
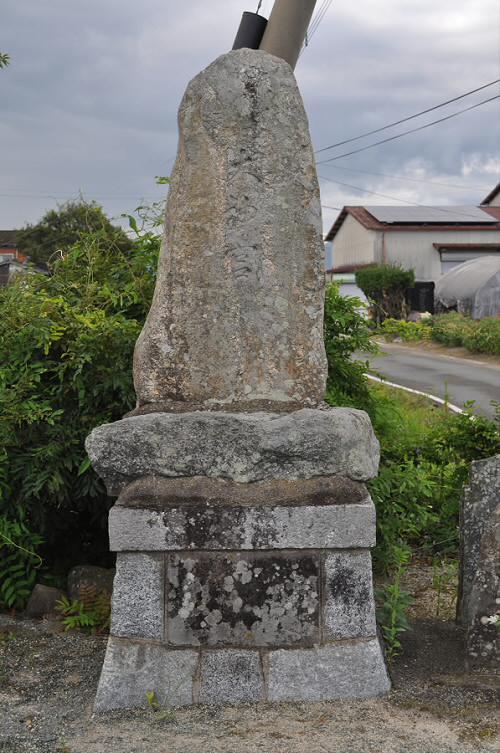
349,602
157,493
217,527
479,596
238,307
342,670
241,447
43,601
138,596
85,580
231,676
131,670
242,599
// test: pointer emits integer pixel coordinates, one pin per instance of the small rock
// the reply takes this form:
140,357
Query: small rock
43,600
85,580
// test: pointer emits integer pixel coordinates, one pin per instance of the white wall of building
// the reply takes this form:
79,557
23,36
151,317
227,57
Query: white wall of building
354,244
412,249
415,250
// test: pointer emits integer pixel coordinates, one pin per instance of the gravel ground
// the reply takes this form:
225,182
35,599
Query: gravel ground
48,681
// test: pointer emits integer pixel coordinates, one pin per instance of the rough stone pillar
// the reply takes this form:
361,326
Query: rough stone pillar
237,316
479,592
243,527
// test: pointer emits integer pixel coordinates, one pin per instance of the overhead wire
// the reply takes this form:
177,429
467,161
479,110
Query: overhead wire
397,198
319,18
412,180
409,117
316,20
412,130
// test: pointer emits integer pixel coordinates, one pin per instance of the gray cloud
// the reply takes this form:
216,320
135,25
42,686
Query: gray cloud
90,99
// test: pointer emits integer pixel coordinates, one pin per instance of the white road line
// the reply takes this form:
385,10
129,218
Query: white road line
434,398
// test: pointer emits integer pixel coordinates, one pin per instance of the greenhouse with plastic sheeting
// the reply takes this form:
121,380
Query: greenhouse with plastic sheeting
472,288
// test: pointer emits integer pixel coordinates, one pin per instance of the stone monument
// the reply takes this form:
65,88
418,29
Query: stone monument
479,590
243,527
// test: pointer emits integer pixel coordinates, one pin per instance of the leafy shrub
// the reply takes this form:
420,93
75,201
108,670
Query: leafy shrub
425,459
19,562
417,504
346,331
483,336
393,603
66,344
462,437
91,615
450,329
385,286
407,331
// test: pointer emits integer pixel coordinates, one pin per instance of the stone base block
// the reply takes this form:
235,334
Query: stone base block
345,669
262,592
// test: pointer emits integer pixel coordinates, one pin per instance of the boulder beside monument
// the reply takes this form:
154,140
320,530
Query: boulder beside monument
243,527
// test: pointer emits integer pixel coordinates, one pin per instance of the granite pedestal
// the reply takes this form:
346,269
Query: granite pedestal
228,591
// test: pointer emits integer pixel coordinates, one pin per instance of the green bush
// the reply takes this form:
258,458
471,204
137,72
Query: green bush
346,331
66,344
450,329
385,286
425,459
19,562
407,331
484,337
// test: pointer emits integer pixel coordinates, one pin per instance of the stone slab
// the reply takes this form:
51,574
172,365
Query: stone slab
243,447
349,610
479,592
242,599
237,312
231,676
228,528
157,493
342,670
132,669
138,596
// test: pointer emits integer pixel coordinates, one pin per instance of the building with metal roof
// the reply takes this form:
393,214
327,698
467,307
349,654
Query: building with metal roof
429,240
493,198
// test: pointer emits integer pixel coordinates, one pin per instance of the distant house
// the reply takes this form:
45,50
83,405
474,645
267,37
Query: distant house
12,259
429,240
493,198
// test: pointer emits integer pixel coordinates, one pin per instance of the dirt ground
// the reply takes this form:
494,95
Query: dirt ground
48,680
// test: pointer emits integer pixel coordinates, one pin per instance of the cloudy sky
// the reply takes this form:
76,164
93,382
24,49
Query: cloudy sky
89,101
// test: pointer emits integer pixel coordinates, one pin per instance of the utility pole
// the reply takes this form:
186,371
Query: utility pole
287,28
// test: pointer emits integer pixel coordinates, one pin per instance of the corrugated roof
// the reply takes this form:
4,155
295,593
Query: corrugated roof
403,219
442,215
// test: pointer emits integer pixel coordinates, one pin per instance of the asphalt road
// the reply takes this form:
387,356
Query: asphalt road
458,379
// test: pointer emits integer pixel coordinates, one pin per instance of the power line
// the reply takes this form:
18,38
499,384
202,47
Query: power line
412,130
396,198
317,19
410,117
325,206
73,196
323,10
413,180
